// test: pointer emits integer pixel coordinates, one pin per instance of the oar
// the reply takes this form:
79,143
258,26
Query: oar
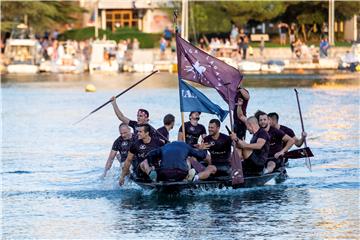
297,153
307,161
126,90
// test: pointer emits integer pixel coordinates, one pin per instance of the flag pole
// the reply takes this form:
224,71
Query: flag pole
230,113
178,69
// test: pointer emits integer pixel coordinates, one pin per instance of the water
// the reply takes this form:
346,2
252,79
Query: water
50,169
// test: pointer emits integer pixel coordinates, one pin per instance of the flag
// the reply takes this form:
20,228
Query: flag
192,100
198,66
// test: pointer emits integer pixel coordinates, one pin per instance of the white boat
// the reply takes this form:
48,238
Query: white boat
103,57
249,66
22,56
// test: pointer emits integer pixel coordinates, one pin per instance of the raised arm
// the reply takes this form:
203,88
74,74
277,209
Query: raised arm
118,113
126,168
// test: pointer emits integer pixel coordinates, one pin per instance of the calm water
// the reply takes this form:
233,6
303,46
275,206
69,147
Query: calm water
50,169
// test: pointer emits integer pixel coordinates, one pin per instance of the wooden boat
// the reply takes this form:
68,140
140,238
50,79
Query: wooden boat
214,183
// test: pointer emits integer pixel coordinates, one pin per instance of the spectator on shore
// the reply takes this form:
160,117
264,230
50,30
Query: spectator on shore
245,46
324,46
234,33
162,48
135,44
262,46
292,32
167,34
298,48
283,29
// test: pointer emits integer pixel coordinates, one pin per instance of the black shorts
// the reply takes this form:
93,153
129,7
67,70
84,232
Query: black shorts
280,162
222,169
253,165
240,130
175,174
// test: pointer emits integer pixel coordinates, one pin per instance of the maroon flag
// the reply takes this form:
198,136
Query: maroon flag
198,66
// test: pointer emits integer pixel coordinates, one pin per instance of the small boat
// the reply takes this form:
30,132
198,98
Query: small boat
213,183
103,57
21,51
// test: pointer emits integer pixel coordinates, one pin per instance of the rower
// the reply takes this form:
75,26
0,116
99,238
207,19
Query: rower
142,118
193,129
277,137
121,146
241,99
138,151
163,132
274,122
174,165
254,153
219,146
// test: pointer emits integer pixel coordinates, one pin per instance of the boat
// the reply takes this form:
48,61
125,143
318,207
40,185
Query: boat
103,56
212,183
21,52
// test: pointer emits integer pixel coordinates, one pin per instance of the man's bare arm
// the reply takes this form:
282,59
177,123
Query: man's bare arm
118,113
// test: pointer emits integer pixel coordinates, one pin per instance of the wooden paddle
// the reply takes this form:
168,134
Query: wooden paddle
297,153
307,161
237,175
126,90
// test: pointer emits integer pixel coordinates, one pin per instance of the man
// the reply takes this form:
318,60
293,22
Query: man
163,132
274,122
174,165
256,152
142,118
277,137
193,130
219,146
138,151
242,99
121,145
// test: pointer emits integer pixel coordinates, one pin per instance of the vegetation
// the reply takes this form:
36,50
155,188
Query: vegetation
39,15
146,40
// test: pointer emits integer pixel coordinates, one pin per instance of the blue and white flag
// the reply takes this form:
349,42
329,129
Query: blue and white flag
192,100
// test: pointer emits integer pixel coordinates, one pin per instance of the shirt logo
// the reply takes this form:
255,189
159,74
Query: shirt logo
142,147
124,143
192,128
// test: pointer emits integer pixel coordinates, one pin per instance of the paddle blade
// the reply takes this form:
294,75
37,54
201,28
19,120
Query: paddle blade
299,153
237,174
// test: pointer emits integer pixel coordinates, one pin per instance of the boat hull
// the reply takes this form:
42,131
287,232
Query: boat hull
173,187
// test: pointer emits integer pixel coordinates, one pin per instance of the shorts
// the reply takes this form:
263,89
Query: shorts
222,169
253,165
279,162
174,174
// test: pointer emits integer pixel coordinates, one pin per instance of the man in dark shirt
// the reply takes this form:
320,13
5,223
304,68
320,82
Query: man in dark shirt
274,122
121,146
163,132
138,151
142,118
219,146
277,137
241,99
254,153
174,165
193,130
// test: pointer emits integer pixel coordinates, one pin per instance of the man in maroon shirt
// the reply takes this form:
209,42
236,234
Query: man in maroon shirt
274,122
241,100
254,153
193,129
277,137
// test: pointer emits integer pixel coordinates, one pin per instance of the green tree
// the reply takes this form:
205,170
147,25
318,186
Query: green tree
39,15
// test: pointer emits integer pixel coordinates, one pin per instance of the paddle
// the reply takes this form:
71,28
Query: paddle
297,153
307,161
237,174
126,90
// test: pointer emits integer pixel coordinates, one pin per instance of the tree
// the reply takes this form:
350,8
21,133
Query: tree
39,15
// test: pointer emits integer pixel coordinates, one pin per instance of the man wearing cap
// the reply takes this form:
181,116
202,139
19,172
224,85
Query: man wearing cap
193,129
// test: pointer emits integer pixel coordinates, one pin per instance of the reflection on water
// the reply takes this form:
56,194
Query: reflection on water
51,186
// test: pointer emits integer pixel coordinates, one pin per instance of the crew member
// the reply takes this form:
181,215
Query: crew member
256,152
219,146
174,164
138,151
277,137
241,99
274,122
193,129
121,146
163,132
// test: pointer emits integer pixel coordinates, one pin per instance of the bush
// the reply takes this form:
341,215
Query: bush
147,40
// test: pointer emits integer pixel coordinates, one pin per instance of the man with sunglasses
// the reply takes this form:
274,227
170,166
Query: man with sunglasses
193,129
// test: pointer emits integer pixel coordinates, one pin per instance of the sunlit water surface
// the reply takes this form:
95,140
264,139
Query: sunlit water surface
50,168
